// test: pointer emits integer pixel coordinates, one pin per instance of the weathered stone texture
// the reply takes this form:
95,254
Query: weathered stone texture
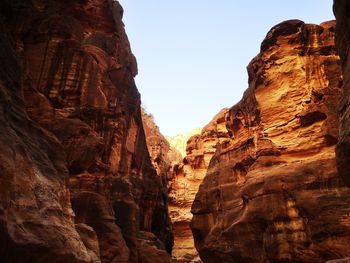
341,10
36,218
77,72
272,192
179,141
186,178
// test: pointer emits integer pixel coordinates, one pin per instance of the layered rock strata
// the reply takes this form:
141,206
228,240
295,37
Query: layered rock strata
36,218
187,176
163,156
182,177
341,10
272,192
77,72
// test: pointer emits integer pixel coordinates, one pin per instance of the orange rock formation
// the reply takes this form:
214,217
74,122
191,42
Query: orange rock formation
272,192
158,147
79,184
85,132
179,141
187,176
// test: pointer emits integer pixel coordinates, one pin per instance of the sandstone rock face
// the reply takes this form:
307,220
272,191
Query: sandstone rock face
36,218
162,155
78,85
179,141
344,260
151,250
272,192
158,147
187,176
342,13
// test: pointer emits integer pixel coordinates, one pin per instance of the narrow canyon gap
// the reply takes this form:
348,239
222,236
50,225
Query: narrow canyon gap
87,177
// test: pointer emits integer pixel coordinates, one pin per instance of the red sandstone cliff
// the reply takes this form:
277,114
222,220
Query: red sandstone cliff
36,218
187,176
77,80
179,142
272,192
342,12
162,154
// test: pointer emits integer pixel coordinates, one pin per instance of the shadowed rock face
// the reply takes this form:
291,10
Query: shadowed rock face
187,176
161,153
77,72
344,260
182,184
342,13
182,178
272,192
36,219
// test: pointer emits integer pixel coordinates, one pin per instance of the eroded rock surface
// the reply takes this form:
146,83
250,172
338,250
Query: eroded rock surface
179,141
272,192
187,176
78,86
344,260
159,148
341,10
36,218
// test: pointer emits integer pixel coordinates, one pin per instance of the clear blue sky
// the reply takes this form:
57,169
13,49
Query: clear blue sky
192,54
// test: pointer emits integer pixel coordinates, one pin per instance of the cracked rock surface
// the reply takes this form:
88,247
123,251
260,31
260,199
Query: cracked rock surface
272,192
71,120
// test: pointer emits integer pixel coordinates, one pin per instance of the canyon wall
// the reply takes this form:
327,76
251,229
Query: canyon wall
36,218
272,192
179,141
341,10
182,179
186,178
159,148
84,132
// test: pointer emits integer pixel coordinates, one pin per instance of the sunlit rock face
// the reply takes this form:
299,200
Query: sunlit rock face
77,72
187,176
179,141
342,13
163,156
272,192
160,151
171,169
